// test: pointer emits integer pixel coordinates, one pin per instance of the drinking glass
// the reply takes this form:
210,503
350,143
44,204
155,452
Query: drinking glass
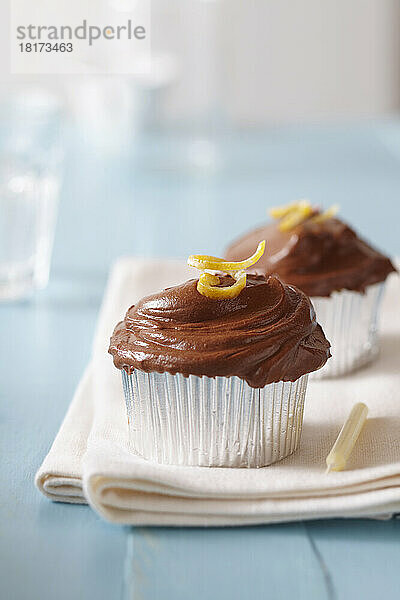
30,175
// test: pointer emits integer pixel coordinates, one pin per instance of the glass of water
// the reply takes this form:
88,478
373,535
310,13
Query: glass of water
30,175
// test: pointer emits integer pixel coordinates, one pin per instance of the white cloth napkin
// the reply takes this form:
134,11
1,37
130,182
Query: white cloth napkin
90,460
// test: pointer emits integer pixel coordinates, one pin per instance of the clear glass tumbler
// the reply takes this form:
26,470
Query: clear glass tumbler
30,158
28,203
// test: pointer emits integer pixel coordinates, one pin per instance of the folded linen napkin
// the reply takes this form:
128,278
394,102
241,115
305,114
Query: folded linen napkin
90,460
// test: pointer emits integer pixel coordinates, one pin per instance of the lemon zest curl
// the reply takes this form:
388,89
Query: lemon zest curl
209,284
294,214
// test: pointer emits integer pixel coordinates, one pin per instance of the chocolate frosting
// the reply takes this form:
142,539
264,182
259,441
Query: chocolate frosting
267,333
319,258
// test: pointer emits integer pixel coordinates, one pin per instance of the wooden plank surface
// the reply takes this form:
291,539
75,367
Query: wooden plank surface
110,208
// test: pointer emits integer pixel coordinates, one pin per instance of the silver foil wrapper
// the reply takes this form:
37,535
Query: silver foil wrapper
349,321
220,422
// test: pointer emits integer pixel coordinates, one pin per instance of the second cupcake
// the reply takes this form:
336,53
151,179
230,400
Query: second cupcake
343,275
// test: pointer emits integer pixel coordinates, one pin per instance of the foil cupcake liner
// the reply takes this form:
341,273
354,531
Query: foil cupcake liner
349,321
221,421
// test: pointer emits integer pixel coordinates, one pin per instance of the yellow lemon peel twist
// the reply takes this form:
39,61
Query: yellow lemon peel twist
296,213
278,212
208,284
292,215
327,214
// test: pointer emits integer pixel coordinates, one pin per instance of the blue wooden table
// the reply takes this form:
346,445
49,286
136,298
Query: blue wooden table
151,202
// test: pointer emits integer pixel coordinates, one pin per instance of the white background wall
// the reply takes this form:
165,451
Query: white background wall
267,61
312,59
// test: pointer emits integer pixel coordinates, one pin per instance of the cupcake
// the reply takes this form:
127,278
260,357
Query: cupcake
343,275
215,370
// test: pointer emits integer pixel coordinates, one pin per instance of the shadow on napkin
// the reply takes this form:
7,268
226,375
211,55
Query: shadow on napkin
389,356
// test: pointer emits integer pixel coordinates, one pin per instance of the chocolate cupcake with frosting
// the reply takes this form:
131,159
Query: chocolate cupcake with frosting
342,273
215,370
